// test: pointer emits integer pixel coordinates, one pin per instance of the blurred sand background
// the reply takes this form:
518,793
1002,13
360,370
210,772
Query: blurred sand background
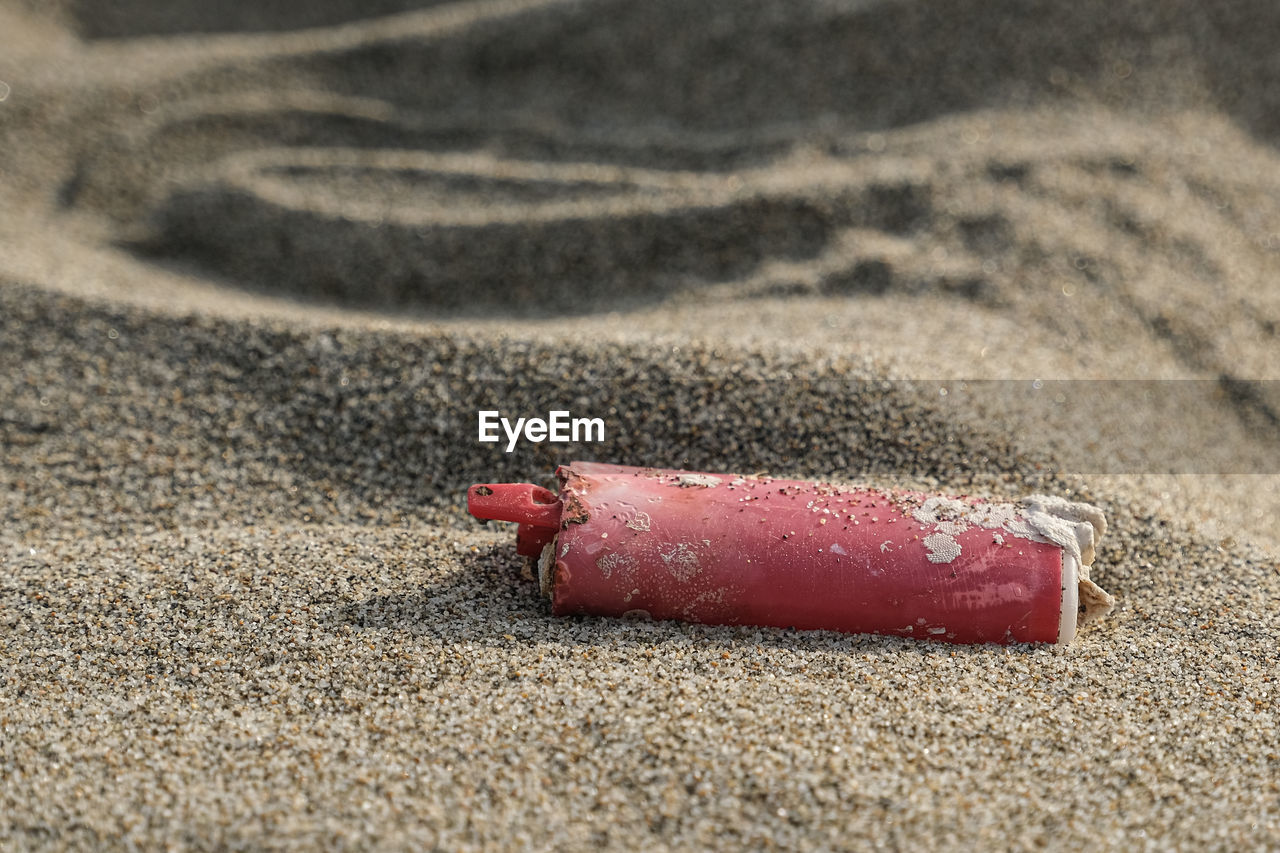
261,263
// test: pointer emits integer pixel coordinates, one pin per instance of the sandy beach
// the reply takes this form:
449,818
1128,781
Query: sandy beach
261,265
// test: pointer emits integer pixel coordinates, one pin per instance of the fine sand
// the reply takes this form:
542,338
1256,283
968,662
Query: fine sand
261,264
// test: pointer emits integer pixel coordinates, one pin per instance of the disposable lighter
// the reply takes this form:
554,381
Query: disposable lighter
755,550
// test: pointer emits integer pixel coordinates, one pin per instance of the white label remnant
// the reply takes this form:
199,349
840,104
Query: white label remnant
680,561
1073,527
705,481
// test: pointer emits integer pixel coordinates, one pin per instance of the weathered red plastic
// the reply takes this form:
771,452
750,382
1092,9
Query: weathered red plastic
535,508
722,549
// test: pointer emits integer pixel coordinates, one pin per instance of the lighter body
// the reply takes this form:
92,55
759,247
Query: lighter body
755,550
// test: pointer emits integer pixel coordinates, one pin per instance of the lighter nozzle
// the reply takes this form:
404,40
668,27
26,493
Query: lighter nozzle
535,509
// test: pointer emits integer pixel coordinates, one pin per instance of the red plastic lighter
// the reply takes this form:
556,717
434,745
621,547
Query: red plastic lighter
734,550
